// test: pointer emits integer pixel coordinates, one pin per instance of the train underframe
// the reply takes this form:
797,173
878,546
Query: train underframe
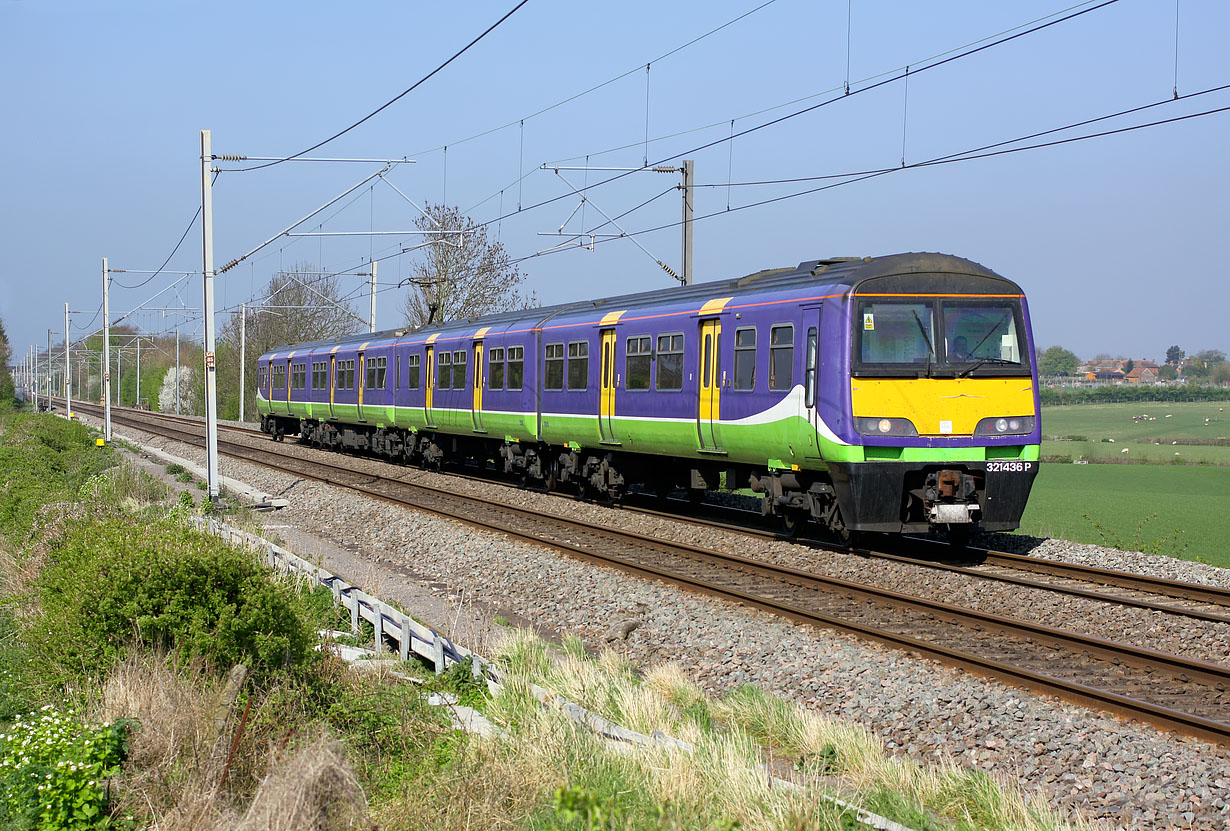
845,499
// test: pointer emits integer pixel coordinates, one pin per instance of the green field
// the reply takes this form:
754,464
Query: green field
1111,505
1167,423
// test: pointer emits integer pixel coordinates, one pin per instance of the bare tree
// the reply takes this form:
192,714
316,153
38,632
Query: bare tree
462,274
296,306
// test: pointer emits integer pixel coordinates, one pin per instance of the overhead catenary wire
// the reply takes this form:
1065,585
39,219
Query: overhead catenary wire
393,100
1016,34
949,159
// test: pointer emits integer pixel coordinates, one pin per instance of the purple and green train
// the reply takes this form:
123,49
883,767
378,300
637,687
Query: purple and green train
889,394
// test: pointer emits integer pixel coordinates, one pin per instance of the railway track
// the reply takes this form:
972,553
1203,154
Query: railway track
1172,692
1208,603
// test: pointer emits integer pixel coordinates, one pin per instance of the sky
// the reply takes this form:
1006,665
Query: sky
1117,240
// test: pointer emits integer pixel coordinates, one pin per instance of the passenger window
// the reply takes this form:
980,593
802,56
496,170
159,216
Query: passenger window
637,362
444,375
670,362
376,368
495,371
459,370
412,372
553,375
578,365
781,358
745,358
516,366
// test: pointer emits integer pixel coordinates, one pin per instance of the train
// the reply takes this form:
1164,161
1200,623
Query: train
894,394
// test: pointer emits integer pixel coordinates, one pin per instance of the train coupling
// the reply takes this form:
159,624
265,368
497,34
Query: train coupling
951,497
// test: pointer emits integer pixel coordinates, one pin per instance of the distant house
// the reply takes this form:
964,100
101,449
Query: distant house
1142,375
1112,375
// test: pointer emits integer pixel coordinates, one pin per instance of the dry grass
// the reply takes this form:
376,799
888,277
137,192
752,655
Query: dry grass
726,775
311,790
174,775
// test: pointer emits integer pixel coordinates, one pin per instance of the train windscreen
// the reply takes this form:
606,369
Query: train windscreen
967,336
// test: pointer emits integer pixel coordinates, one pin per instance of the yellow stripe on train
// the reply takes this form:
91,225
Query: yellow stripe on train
942,406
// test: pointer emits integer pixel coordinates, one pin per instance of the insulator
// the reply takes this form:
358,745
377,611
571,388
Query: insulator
665,170
231,158
668,269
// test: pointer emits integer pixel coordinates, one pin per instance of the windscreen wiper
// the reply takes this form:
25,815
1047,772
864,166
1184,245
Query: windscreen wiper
983,362
927,339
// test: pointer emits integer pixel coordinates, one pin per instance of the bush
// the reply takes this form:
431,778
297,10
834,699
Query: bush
165,585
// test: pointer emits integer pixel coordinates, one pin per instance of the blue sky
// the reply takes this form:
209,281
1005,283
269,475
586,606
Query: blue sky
1117,240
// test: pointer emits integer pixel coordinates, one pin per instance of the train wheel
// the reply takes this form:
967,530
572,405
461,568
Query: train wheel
793,522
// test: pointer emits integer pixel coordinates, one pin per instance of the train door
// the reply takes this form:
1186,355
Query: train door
606,394
362,370
429,388
289,376
332,381
709,384
477,412
813,362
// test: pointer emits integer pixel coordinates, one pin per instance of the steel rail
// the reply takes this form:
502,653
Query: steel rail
1148,660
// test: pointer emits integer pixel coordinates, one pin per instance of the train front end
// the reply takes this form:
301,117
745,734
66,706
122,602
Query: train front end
942,423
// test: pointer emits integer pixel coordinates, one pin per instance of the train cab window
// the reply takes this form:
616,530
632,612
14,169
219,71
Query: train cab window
412,371
516,366
376,368
896,333
781,357
578,365
553,372
444,375
809,369
459,370
638,357
670,362
981,331
745,358
495,368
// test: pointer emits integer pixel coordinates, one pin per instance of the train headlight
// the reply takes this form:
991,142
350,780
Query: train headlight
885,426
1005,426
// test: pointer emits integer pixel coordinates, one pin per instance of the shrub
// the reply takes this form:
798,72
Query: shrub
163,584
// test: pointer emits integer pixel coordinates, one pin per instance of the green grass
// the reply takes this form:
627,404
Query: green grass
1189,503
1114,421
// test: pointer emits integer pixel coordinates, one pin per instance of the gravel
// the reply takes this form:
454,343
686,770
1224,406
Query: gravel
1127,774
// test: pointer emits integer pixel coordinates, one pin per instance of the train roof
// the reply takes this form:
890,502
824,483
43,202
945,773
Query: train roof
847,272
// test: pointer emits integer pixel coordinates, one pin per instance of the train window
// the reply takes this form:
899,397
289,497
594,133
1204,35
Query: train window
781,357
495,368
444,376
553,375
896,333
298,376
578,365
279,377
345,374
983,330
397,375
637,361
320,376
745,358
516,366
412,372
459,370
670,362
809,369
376,368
